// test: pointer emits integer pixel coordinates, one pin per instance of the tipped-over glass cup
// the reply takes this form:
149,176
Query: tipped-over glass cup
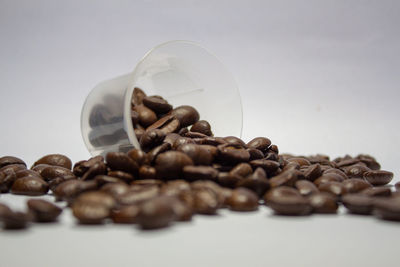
183,73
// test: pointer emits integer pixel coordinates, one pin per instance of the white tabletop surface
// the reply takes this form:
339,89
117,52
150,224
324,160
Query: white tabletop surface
314,76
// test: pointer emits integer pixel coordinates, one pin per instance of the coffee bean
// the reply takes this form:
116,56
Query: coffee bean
3,210
39,168
356,171
30,186
15,220
243,199
6,180
255,153
115,189
203,127
200,155
138,156
55,160
323,203
300,161
387,208
137,96
355,185
55,182
192,173
167,124
90,213
146,116
152,154
232,154
124,176
306,187
378,177
260,143
187,115
139,132
27,173
369,161
242,169
68,189
169,165
336,171
43,211
175,188
156,213
182,210
52,172
287,201
377,191
119,161
328,177
13,167
257,182
287,178
8,160
97,197
98,168
397,186
157,104
358,203
229,179
280,192
347,162
269,166
337,189
151,138
205,201
81,167
138,195
312,172
126,214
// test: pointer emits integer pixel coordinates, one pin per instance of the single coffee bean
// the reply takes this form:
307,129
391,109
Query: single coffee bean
90,213
323,203
182,210
312,172
98,168
52,172
81,167
27,173
105,179
328,177
243,169
347,162
157,104
147,172
205,201
15,220
287,201
199,154
210,185
337,189
43,211
260,143
355,185
124,176
55,182
356,171
175,188
125,214
387,208
13,167
120,161
157,212
197,137
187,115
255,153
39,168
233,140
146,116
30,186
300,161
167,124
369,161
378,177
306,188
232,154
169,165
137,96
358,203
97,197
242,199
336,171
115,189
287,178
203,127
193,173
8,160
68,189
228,179
7,179
55,160
153,153
269,166
151,138
381,191
138,195
257,182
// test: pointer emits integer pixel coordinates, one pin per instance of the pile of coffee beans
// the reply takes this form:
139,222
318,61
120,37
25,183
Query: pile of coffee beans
182,170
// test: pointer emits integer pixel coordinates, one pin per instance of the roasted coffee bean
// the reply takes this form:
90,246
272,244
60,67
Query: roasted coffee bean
306,187
3,209
157,104
148,182
271,156
90,213
269,166
228,179
195,135
81,167
68,189
381,191
192,173
175,188
260,143
387,208
8,160
27,173
157,212
124,176
323,203
282,191
55,182
207,184
135,117
182,210
243,199
199,154
125,214
55,160
39,168
120,161
6,181
115,189
171,138
181,141
167,124
287,201
378,177
137,96
187,115
232,154
169,165
52,172
300,161
257,182
287,178
15,220
242,169
105,179
98,168
336,171
312,172
356,171
30,186
13,167
337,189
151,138
205,201
203,127
347,162
138,156
146,116
291,165
43,211
397,186
355,185
147,172
358,203
139,132
212,141
138,195
255,153
329,177
152,154
233,140
97,197
369,161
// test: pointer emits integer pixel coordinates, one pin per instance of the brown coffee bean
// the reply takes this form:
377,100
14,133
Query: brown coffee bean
378,177
199,154
139,131
175,188
387,208
242,199
205,201
43,211
287,201
15,220
8,160
90,213
193,173
137,96
312,172
55,160
55,182
105,179
229,179
124,176
182,210
115,189
13,167
39,168
300,161
210,185
397,186
260,143
125,214
30,186
358,203
52,172
306,188
81,167
138,195
233,140
187,115
98,168
152,154
6,180
97,197
257,182
146,116
287,178
381,191
157,104
138,156
281,191
120,161
169,165
27,173
328,177
255,153
369,161
203,127
269,166
323,203
337,189
232,154
336,171
151,138
68,189
157,212
242,169
355,185
356,171
347,162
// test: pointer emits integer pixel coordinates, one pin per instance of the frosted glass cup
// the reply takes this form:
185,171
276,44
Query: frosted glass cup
182,72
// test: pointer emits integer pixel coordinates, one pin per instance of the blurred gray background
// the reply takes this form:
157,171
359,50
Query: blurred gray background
314,76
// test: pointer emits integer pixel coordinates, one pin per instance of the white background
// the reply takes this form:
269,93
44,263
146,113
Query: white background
314,76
